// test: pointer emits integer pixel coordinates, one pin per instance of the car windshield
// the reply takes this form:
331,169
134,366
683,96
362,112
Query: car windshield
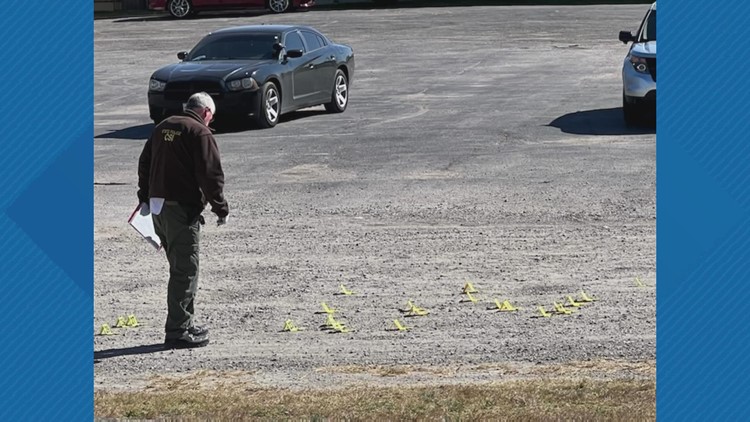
649,29
235,47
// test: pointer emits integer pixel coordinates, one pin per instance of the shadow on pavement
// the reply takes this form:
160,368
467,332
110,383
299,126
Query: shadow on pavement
142,132
137,350
234,125
133,132
606,121
300,114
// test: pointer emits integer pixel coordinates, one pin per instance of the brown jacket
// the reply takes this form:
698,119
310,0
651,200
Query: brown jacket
180,162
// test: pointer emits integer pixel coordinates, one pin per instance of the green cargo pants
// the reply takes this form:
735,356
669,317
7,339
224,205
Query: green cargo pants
178,226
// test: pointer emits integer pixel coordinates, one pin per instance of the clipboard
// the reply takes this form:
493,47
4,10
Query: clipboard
142,222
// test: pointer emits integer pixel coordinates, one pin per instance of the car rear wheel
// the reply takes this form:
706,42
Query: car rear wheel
279,6
630,112
340,94
180,8
269,108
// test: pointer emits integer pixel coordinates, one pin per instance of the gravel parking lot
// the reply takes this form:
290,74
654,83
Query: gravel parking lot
481,144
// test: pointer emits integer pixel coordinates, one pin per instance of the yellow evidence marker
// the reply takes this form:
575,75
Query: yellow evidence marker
105,331
471,298
335,325
289,326
414,310
572,302
399,326
560,309
639,283
345,291
586,298
468,288
132,322
544,313
505,306
121,322
326,309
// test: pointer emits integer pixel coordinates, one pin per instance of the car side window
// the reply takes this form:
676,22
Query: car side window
293,42
312,41
649,29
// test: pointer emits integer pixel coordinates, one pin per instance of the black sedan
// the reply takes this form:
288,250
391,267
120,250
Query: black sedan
262,71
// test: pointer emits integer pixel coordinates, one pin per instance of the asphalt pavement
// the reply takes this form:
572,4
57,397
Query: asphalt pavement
480,143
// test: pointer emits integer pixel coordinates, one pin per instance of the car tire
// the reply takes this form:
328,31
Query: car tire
340,94
156,114
279,6
180,9
269,106
630,112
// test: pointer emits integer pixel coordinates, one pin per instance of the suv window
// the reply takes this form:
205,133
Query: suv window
648,28
293,42
313,43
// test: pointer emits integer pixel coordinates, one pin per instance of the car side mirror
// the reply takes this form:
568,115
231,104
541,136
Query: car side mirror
277,49
626,36
182,54
294,53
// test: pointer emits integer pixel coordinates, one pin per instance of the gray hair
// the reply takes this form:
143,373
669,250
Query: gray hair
199,101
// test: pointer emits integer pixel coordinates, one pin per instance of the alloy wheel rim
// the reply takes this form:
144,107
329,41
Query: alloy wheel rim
341,91
272,105
279,6
179,8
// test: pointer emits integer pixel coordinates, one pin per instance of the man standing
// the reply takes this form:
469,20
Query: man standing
179,171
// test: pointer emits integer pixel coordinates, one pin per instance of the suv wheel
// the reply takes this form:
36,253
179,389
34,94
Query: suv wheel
630,112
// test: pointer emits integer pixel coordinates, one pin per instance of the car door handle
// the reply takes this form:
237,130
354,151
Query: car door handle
311,66
332,58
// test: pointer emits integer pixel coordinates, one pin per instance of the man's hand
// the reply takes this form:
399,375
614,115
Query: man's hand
222,220
144,208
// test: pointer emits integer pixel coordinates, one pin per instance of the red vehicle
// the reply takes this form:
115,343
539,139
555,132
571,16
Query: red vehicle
184,8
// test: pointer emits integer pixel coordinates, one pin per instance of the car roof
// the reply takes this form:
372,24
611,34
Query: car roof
245,29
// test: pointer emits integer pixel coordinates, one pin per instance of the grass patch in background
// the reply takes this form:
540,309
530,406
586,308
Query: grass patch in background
564,399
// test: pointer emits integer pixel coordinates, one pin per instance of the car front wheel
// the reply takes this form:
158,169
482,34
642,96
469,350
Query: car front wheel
340,94
279,6
180,8
269,108
630,112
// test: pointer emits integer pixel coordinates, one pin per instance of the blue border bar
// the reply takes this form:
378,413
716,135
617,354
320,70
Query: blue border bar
46,211
703,211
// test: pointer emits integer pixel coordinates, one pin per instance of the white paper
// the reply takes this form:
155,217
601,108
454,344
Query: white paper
143,223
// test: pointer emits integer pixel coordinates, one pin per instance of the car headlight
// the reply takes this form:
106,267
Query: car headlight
156,85
240,84
639,64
